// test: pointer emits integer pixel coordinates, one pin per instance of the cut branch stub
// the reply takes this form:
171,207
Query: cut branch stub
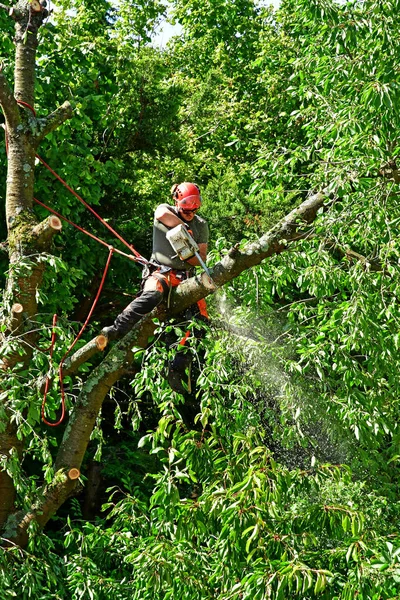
16,316
17,308
101,342
45,230
55,223
74,474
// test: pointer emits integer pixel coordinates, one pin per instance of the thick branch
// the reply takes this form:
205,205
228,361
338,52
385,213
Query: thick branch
53,120
8,103
98,384
236,261
85,353
56,494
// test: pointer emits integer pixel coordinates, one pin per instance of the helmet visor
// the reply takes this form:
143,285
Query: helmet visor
190,202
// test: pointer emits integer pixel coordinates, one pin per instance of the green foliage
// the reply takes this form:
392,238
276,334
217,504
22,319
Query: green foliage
277,476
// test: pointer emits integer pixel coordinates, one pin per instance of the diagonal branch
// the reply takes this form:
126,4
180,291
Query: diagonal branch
8,103
233,264
103,377
53,120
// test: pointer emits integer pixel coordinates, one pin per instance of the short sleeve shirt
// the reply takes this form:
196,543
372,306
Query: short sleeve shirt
163,252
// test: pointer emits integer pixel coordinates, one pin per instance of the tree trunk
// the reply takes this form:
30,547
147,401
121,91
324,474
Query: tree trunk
26,237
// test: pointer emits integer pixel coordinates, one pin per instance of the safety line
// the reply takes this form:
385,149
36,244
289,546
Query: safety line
74,193
60,368
99,240
138,256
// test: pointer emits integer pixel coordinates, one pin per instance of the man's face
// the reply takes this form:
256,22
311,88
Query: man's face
187,215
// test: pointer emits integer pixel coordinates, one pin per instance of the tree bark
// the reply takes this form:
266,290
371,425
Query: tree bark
85,412
26,237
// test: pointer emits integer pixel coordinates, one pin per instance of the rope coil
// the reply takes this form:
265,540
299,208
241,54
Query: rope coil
60,367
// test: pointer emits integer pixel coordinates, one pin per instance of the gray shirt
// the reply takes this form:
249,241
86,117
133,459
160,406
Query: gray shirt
163,252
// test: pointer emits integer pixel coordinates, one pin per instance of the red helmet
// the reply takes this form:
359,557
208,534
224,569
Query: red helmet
186,196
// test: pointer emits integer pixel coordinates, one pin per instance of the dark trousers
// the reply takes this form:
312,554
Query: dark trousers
152,295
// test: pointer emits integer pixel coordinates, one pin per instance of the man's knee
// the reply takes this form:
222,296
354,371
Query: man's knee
149,299
154,284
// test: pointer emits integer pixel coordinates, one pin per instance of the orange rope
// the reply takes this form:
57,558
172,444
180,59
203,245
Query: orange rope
136,256
60,368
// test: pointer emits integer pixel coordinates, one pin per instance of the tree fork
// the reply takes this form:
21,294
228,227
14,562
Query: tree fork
83,417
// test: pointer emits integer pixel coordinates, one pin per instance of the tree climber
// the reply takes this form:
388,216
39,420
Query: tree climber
166,269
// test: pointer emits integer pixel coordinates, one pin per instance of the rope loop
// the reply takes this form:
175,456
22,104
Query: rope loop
60,366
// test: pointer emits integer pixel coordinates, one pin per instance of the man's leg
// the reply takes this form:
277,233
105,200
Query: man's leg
152,295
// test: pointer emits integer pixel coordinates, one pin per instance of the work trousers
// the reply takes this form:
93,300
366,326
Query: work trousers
153,294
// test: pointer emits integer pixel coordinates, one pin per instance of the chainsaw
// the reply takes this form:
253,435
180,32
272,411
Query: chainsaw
185,246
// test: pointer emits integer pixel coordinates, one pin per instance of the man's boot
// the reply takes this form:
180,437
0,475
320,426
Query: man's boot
111,333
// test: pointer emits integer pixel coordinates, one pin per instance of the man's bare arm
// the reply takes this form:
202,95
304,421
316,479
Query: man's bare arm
167,218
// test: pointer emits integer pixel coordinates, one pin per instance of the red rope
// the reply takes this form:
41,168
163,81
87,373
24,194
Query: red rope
60,368
84,231
22,103
65,184
138,257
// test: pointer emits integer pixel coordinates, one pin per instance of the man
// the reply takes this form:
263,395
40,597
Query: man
165,270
